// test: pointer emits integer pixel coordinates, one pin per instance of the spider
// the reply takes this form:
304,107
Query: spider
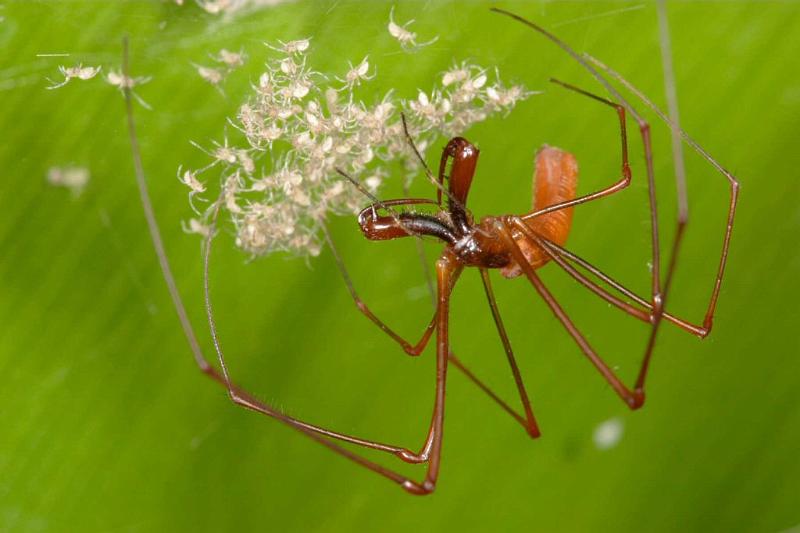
513,244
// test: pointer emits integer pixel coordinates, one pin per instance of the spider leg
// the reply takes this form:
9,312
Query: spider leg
617,186
529,422
447,272
677,145
634,399
241,398
413,350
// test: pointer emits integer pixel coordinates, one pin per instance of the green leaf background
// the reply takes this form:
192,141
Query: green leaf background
106,425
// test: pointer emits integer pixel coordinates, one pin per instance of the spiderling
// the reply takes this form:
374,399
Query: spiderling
406,37
77,72
227,62
70,177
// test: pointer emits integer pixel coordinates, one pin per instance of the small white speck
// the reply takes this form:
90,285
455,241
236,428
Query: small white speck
608,434
417,293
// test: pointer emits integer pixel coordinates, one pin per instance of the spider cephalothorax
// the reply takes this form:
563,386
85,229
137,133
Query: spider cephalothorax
481,245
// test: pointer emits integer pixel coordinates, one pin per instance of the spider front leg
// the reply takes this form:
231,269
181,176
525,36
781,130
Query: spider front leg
447,272
412,350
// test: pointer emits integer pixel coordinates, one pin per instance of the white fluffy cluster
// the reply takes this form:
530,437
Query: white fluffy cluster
301,127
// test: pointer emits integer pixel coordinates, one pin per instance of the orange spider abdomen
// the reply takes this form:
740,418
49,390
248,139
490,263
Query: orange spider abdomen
555,180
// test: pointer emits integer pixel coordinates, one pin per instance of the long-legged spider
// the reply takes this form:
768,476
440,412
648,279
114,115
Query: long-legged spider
514,244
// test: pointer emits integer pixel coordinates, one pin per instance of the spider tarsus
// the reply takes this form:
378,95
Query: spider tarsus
708,323
419,490
410,457
636,399
626,173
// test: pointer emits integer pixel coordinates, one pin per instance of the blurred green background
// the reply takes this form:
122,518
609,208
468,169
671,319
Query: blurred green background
106,425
